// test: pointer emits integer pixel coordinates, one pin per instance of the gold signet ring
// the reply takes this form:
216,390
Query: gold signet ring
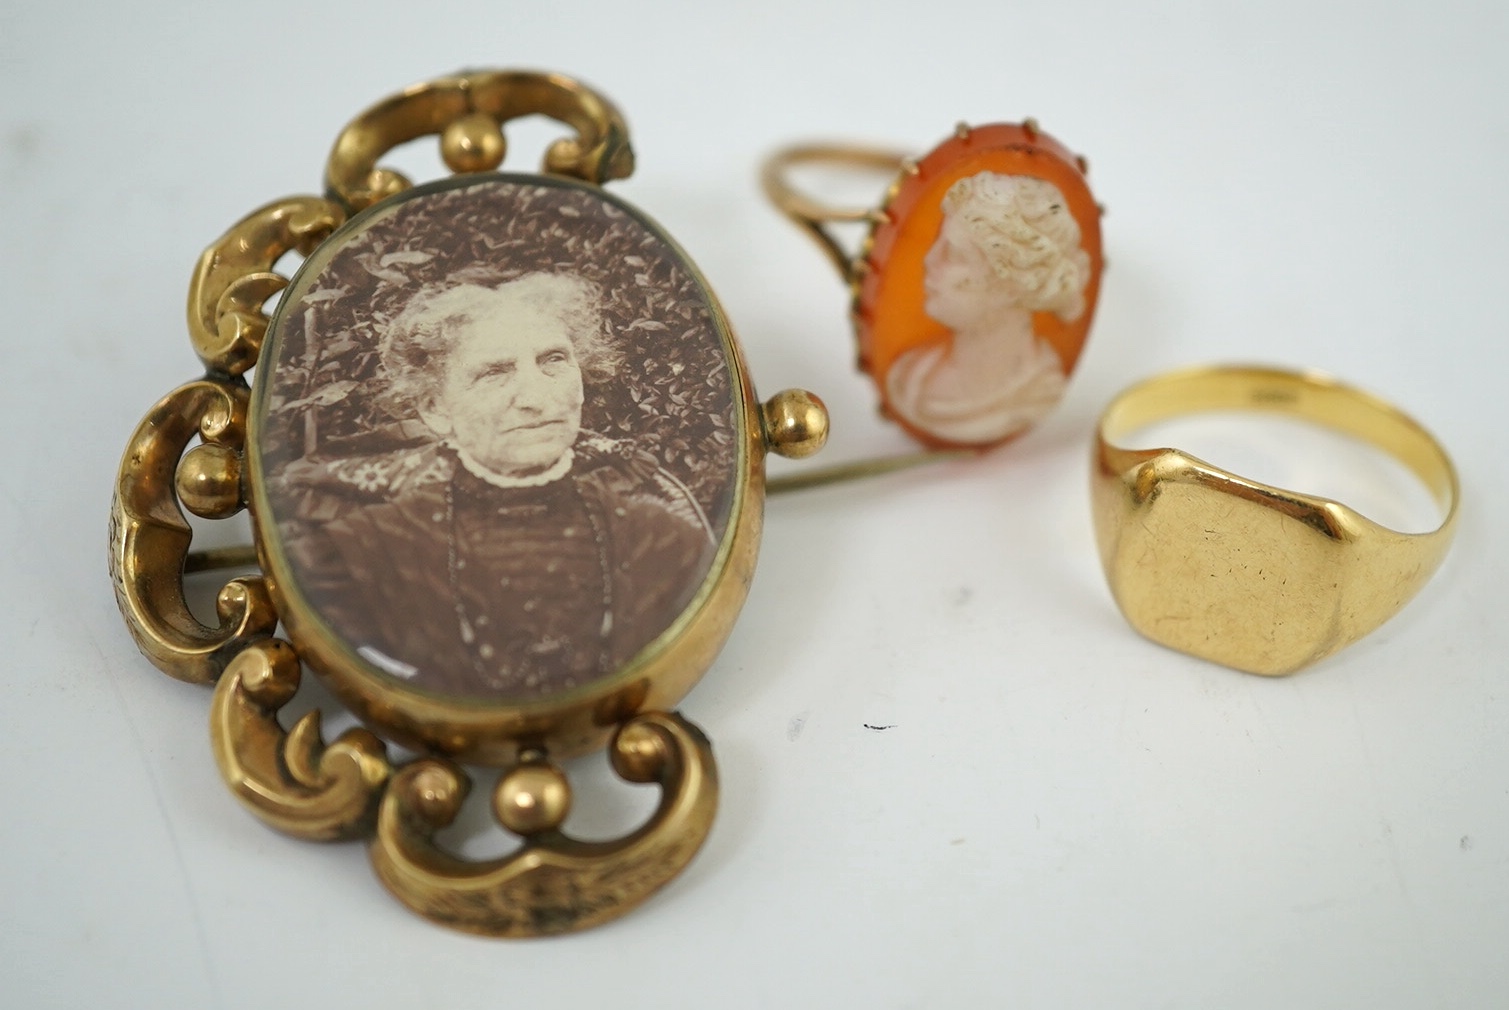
1249,575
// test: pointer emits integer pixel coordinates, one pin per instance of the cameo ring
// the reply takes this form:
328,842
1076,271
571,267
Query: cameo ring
973,291
1252,576
505,471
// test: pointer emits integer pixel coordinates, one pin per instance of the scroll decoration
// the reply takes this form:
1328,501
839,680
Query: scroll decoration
149,536
292,781
553,883
234,278
468,111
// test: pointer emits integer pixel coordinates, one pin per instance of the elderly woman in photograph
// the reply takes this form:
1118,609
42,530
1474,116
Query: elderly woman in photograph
543,561
1008,248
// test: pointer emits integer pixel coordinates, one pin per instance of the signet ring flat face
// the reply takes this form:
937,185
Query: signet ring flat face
1263,579
505,470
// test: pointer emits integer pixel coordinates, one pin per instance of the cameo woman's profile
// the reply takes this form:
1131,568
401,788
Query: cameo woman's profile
976,287
1008,248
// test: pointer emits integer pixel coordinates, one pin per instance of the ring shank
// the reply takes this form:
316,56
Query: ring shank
811,214
794,202
1312,396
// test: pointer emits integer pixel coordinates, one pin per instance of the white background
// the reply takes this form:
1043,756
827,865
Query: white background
1061,814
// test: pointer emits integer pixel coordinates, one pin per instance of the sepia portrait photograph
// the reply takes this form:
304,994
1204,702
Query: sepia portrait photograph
500,438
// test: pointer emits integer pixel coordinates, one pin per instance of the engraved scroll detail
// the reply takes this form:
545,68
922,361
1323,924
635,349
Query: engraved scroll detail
553,883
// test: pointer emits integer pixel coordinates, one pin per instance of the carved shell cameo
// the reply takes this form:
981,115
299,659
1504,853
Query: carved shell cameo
983,273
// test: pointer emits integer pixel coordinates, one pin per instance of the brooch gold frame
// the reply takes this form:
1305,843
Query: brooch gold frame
349,788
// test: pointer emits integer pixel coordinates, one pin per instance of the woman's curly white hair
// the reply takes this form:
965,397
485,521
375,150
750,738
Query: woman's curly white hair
1023,229
414,347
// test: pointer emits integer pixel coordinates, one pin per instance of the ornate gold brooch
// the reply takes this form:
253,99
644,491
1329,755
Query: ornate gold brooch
505,470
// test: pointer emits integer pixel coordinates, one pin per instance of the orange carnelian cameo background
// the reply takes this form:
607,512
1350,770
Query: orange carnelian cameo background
890,303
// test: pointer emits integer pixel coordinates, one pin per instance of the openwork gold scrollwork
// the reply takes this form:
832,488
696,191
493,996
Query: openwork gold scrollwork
149,537
292,780
468,111
235,277
554,883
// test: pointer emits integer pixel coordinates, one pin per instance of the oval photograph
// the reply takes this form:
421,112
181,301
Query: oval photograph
983,275
497,436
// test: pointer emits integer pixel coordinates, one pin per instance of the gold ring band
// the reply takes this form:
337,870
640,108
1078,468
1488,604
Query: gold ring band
810,214
1249,575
